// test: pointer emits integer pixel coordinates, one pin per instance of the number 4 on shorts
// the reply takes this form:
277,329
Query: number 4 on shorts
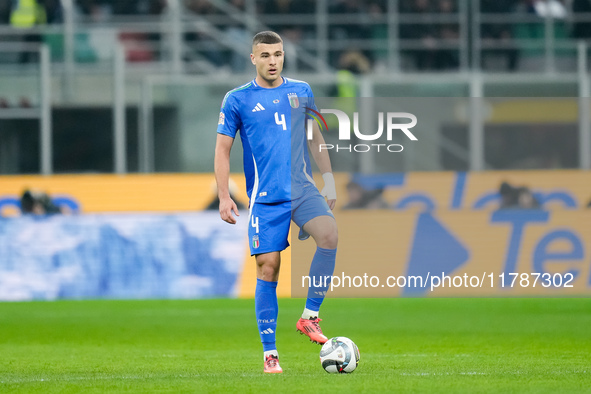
254,222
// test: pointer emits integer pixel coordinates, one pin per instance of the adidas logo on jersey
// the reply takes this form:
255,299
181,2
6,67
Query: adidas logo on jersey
267,331
258,107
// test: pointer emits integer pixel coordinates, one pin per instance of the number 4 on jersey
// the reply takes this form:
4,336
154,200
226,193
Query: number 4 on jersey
280,122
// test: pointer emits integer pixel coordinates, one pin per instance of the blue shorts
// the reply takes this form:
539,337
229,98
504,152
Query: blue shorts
268,228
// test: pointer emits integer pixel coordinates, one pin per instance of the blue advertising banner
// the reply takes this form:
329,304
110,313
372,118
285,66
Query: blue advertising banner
126,256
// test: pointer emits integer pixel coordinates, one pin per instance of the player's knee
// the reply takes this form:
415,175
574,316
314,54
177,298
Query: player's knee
332,240
269,273
329,239
268,267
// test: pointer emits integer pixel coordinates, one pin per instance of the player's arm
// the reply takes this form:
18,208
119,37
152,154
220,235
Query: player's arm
323,161
223,147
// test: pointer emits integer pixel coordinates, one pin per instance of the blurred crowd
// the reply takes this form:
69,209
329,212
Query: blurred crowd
127,7
430,29
51,11
510,197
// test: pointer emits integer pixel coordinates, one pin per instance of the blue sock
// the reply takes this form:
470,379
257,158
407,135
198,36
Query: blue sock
322,266
266,308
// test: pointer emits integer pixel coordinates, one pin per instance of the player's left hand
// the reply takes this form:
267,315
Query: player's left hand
329,190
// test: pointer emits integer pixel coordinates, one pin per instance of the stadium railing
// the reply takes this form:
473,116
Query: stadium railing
184,41
179,42
459,124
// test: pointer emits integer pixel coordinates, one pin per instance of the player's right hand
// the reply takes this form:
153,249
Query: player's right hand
227,206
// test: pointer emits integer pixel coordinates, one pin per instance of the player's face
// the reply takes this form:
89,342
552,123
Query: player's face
268,60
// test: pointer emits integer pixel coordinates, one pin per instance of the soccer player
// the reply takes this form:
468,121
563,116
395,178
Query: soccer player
270,113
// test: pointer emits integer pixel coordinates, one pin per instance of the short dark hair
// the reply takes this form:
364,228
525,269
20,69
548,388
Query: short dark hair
266,37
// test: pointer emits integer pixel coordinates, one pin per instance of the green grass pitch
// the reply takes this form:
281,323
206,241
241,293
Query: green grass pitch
406,345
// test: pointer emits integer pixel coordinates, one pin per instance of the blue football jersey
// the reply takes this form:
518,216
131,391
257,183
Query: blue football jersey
273,133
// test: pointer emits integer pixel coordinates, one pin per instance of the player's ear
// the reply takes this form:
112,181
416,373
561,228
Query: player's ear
252,58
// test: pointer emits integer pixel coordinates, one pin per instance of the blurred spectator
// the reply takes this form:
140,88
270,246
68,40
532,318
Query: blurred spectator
509,197
238,62
351,64
353,30
107,8
526,199
201,43
97,43
26,14
137,47
355,62
543,8
582,30
156,7
449,34
517,197
359,198
95,10
53,11
423,33
288,7
349,30
238,34
5,7
38,203
378,32
127,7
290,32
200,7
500,33
238,4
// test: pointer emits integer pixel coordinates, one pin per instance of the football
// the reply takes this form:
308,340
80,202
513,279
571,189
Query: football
339,355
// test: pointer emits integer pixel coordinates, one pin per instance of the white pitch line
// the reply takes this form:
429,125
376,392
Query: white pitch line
81,378
441,373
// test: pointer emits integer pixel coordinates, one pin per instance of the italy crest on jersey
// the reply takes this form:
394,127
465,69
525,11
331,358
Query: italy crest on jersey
293,100
255,242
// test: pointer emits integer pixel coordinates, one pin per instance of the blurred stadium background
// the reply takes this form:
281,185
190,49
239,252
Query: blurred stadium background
110,108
